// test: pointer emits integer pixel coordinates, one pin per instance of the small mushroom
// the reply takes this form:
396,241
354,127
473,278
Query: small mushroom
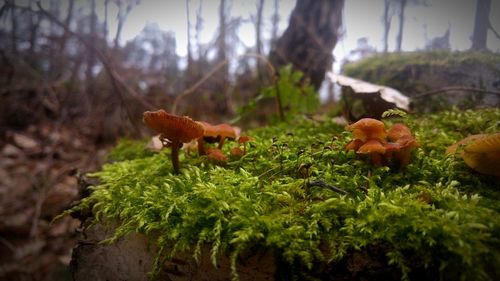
176,129
216,156
406,145
225,131
243,140
403,143
236,152
483,154
209,135
368,129
354,145
398,131
217,133
375,149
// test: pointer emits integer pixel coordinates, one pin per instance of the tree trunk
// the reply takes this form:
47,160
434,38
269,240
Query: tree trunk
387,24
481,24
189,51
13,33
399,39
106,14
309,40
258,37
91,56
34,23
275,22
224,106
199,29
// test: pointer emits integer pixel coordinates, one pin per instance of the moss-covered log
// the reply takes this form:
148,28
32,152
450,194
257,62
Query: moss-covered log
435,217
416,73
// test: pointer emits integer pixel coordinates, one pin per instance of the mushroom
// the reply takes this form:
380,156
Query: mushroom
243,140
403,143
483,154
375,149
225,131
236,152
216,156
209,135
406,145
215,133
177,129
453,148
368,129
354,145
398,131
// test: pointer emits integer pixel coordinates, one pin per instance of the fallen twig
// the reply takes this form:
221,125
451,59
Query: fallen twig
449,89
322,183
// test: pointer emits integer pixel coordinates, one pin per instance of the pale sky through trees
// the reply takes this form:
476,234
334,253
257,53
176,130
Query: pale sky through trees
362,19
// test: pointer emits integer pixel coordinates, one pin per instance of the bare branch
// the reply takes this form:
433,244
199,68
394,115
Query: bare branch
493,30
116,79
449,89
190,90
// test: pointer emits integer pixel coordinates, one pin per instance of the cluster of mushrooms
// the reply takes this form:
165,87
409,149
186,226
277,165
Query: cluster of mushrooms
175,131
381,145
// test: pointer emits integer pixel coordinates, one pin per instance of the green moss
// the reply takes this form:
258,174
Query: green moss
263,199
127,149
382,68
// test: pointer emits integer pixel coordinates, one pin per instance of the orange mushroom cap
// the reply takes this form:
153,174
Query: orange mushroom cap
453,148
368,128
372,146
354,145
209,130
398,131
225,131
244,139
173,127
236,152
216,156
483,154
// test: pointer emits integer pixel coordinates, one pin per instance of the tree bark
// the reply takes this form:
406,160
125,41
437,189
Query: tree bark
106,14
91,55
275,22
481,25
224,106
387,24
399,38
189,51
309,40
258,36
13,33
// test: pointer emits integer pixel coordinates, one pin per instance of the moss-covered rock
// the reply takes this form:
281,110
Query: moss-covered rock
435,217
414,73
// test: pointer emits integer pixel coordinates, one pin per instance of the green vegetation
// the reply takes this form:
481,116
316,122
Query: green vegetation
434,215
292,95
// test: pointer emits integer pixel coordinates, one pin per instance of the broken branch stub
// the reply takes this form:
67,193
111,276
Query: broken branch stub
363,99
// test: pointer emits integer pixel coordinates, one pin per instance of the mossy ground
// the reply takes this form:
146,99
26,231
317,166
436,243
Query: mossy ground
435,213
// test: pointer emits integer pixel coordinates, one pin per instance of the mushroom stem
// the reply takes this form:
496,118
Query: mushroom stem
221,142
376,159
201,146
175,155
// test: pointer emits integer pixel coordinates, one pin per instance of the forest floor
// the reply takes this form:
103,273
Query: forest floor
39,170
